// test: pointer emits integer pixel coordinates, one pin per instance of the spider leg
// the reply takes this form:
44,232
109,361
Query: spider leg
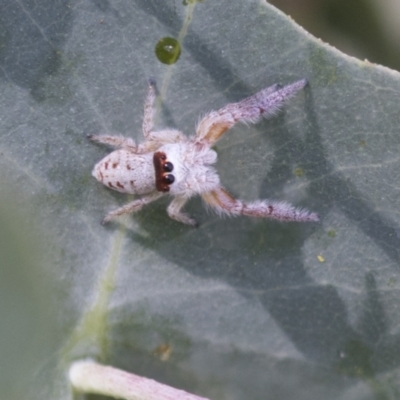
131,207
174,211
167,136
149,111
224,203
115,141
262,104
158,137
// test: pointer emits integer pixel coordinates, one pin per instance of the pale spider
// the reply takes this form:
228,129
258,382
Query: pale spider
168,162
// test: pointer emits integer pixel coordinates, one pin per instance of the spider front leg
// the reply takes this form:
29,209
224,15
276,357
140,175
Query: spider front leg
224,203
262,104
174,211
134,206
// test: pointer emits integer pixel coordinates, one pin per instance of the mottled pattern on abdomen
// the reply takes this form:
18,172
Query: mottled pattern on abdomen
126,172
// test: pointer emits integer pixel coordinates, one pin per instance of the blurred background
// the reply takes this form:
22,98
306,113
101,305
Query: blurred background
366,29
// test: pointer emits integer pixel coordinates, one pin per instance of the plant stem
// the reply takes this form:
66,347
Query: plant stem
90,377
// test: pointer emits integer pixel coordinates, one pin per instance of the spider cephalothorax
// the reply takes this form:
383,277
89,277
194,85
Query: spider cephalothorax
168,162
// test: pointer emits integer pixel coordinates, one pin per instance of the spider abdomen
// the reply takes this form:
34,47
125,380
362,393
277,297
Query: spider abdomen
126,172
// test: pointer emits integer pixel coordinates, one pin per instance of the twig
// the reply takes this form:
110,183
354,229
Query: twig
90,377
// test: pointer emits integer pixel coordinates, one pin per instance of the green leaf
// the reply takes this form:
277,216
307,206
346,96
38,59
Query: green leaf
239,308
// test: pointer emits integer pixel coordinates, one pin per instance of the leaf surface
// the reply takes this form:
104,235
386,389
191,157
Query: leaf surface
239,308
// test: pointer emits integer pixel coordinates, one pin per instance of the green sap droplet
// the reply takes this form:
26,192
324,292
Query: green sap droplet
168,50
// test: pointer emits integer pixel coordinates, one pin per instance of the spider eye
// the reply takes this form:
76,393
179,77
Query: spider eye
168,166
161,168
168,179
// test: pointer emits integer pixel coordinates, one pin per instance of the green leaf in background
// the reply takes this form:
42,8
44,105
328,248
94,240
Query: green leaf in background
239,308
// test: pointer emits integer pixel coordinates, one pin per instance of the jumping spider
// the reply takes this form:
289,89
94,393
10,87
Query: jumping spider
168,162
